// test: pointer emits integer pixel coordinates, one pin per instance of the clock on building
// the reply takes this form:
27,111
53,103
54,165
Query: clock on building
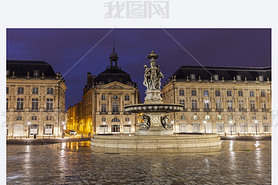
115,97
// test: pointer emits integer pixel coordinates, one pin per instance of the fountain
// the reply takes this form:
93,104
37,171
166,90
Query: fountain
155,132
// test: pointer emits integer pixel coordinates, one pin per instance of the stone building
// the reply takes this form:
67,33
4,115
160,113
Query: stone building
35,98
104,97
223,100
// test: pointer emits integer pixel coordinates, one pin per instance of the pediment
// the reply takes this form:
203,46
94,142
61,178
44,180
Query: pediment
116,85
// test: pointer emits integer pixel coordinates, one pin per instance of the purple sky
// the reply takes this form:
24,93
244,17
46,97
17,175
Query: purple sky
62,48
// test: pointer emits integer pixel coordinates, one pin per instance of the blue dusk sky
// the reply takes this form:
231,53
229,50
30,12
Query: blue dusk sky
62,48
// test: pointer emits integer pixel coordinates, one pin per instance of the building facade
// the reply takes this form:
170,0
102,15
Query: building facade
35,100
223,100
101,110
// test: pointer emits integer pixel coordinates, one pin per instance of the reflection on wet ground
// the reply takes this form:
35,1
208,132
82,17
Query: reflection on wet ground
237,162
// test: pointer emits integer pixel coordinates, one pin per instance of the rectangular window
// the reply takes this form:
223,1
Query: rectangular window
103,97
220,127
20,90
240,93
7,90
262,93
206,93
35,90
182,102
49,104
264,106
115,107
126,97
127,119
266,127
252,94
252,105
206,104
115,128
34,117
19,105
103,107
217,93
229,93
48,129
193,93
218,105
194,104
103,119
35,103
243,128
240,105
182,117
49,90
7,103
181,92
230,104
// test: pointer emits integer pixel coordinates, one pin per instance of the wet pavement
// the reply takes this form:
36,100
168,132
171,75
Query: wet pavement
238,162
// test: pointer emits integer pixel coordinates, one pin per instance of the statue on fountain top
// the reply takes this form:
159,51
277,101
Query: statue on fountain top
153,75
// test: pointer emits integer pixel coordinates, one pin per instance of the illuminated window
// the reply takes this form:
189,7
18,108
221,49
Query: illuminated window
49,90
252,94
217,93
20,90
193,93
35,90
181,92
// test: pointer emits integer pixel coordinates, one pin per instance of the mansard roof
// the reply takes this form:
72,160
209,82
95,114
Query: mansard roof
205,72
22,67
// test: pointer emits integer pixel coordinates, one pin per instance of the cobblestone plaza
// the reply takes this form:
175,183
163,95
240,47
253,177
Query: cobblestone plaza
238,162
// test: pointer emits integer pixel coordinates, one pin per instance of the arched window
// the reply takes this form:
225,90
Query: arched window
115,120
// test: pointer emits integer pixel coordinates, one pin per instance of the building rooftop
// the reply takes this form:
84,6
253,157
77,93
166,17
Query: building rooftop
229,73
21,68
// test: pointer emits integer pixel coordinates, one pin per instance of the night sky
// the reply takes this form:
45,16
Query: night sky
62,48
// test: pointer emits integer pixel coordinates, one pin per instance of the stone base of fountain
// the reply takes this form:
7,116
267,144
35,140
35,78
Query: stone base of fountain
173,143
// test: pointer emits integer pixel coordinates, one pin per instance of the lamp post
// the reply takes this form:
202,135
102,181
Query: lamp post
205,125
64,128
129,127
231,128
29,123
256,125
104,124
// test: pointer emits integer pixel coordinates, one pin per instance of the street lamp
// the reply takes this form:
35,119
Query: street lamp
256,125
231,124
104,124
205,124
29,123
129,127
64,128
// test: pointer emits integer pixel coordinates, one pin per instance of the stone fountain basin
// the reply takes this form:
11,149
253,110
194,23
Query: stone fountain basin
187,143
155,107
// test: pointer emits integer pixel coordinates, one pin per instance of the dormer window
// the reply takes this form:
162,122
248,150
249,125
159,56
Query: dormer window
238,77
261,78
36,73
192,76
216,77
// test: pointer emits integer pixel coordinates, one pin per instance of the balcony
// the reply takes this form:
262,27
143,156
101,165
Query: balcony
242,110
195,110
114,113
103,113
253,110
218,110
265,110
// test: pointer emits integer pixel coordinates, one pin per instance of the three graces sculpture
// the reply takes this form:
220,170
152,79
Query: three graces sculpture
153,75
